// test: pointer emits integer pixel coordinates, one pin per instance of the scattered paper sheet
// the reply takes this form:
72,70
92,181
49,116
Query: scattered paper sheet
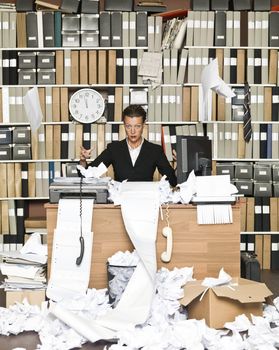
34,245
210,79
31,102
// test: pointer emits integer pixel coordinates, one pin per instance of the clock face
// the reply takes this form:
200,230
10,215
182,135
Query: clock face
86,105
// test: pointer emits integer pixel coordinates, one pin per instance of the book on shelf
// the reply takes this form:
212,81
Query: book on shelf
49,4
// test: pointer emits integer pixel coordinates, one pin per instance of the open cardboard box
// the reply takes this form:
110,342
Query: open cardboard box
34,297
222,304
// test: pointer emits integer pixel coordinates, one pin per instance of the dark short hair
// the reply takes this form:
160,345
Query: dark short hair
134,111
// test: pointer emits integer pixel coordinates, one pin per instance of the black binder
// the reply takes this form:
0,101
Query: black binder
141,29
116,29
258,66
48,28
6,67
258,224
263,141
220,28
119,66
105,31
24,179
64,141
266,214
86,130
20,211
13,67
274,29
31,29
110,104
133,66
233,67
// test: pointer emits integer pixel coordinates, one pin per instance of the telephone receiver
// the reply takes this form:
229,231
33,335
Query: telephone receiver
166,256
80,257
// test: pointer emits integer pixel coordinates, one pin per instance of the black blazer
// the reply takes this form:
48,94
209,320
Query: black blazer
151,156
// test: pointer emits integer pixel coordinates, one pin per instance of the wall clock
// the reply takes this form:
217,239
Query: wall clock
86,105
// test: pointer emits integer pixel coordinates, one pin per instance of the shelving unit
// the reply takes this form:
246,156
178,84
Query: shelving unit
169,115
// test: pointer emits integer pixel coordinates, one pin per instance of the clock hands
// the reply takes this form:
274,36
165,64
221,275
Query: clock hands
86,102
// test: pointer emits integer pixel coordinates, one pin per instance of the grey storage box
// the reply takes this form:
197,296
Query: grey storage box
27,77
90,6
21,135
244,186
119,5
262,189
6,136
237,113
238,99
21,151
275,172
262,172
46,60
70,39
225,169
71,169
239,5
220,5
27,60
89,21
276,189
70,22
89,38
6,152
262,5
243,170
200,5
46,76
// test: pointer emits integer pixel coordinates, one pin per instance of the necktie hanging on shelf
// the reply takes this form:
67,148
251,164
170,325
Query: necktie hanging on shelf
247,125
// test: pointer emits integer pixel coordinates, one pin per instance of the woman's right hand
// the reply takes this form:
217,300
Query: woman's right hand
85,153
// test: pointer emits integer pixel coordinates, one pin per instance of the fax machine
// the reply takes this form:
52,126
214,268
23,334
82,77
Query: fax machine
69,187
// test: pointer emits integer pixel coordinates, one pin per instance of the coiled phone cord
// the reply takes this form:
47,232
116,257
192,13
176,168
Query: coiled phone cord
81,239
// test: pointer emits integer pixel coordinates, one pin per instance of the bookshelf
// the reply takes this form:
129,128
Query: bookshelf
173,109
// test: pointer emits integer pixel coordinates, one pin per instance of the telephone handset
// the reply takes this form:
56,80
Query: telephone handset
81,239
167,232
166,255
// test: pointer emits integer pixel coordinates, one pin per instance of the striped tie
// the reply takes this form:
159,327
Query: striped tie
247,125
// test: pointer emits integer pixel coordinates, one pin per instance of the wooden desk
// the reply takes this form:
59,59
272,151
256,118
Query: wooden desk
205,247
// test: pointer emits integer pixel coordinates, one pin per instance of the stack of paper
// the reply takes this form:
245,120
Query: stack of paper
174,33
25,269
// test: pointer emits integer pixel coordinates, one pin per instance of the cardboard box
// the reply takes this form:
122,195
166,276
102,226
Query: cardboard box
222,304
34,297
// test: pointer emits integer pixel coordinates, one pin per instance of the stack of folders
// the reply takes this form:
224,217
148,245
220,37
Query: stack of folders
25,269
174,30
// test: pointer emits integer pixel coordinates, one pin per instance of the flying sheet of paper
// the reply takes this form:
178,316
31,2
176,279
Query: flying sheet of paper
210,79
33,109
67,278
94,171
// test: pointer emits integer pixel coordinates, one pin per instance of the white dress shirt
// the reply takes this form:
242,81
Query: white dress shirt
134,152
